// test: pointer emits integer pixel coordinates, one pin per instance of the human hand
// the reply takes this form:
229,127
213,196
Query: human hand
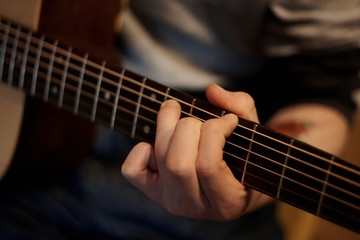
185,171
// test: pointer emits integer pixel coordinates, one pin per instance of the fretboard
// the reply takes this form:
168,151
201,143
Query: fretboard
260,158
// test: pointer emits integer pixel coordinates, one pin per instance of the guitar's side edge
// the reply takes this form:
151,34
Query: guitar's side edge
11,114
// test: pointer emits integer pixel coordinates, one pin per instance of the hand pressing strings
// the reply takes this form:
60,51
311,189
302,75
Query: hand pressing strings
185,171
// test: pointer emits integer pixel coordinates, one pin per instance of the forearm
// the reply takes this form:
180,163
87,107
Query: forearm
319,125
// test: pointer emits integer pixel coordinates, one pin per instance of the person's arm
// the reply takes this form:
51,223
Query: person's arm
319,125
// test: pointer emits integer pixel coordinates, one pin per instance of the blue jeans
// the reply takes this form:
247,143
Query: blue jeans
96,202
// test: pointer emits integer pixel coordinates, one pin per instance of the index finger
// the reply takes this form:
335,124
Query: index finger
167,119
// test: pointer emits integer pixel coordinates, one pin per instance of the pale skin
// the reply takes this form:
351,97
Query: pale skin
185,172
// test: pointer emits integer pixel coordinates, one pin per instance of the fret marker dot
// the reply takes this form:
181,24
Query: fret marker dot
153,96
18,59
54,90
60,60
146,129
107,95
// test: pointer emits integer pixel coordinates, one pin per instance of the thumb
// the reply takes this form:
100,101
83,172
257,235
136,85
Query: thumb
240,103
140,170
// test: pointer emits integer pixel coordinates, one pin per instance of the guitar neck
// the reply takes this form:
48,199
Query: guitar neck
270,162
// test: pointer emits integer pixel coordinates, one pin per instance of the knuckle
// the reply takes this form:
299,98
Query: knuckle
189,122
178,169
203,170
128,172
248,100
160,150
211,125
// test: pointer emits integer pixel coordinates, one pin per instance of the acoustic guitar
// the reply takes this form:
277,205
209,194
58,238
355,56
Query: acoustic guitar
47,132
260,158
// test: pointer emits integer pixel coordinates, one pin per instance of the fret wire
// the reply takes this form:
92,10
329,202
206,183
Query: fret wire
284,169
321,158
329,207
138,108
257,143
50,69
269,182
117,74
64,52
343,167
262,156
83,114
80,83
248,154
324,186
24,60
192,106
36,67
250,162
64,76
166,94
297,193
330,196
271,138
293,169
92,74
13,56
93,113
116,101
90,95
74,78
3,49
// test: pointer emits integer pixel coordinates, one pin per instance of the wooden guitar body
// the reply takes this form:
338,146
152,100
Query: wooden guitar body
11,113
12,101
314,180
48,132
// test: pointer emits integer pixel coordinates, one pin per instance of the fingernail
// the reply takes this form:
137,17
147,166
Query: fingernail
170,103
229,116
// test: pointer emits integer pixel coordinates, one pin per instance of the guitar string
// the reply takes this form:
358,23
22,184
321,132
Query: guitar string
111,72
294,181
272,160
74,78
351,205
334,163
265,157
351,215
42,74
96,75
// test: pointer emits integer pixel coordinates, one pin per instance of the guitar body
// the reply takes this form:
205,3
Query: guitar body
11,114
48,132
12,102
129,103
